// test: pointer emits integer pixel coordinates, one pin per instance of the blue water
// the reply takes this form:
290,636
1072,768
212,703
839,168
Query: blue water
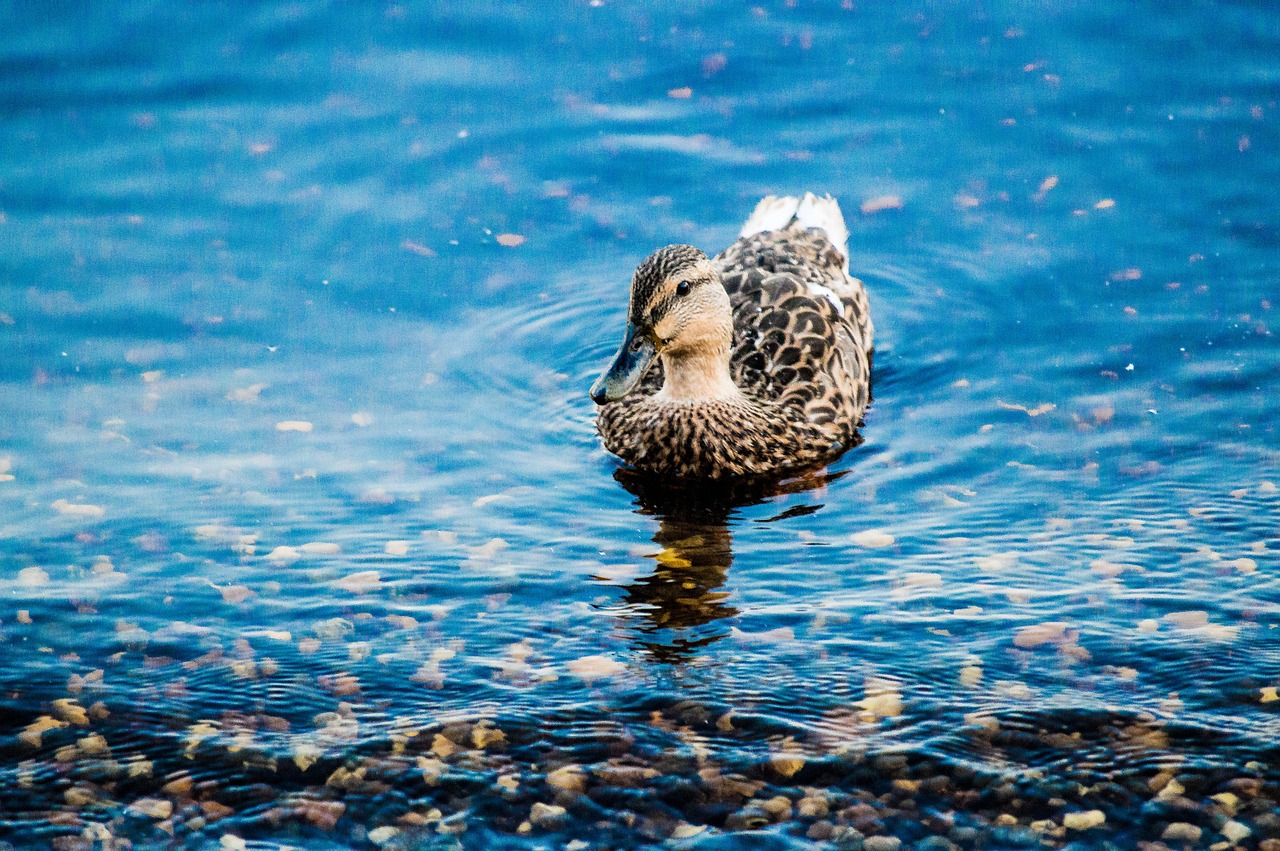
306,537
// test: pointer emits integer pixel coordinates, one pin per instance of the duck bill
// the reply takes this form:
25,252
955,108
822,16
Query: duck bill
633,358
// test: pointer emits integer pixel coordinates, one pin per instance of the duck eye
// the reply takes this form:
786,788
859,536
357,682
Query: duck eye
683,288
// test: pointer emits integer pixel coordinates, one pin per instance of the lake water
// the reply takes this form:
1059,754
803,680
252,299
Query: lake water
307,539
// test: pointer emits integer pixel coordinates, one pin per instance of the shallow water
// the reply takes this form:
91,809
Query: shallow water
306,537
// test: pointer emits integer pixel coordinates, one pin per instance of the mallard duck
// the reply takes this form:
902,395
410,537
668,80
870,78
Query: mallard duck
753,363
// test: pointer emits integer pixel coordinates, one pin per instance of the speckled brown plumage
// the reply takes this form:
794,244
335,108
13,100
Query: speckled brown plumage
802,367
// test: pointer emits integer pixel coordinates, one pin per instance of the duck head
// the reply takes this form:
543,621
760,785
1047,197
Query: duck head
678,311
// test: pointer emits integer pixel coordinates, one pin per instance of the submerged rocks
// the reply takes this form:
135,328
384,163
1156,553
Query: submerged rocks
679,778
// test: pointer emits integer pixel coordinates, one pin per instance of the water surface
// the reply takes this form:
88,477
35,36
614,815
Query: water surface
306,537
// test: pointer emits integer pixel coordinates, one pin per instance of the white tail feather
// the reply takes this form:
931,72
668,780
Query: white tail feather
777,213
772,213
824,213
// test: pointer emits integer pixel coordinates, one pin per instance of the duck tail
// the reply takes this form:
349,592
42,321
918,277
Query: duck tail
772,213
824,213
810,211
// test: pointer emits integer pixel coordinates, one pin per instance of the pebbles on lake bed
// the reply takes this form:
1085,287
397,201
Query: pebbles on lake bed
513,771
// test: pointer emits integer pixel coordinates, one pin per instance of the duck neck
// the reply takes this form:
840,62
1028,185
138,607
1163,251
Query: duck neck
697,376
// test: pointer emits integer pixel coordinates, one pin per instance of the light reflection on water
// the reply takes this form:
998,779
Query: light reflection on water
1047,576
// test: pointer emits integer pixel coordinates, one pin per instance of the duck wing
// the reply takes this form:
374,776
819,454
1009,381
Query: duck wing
801,327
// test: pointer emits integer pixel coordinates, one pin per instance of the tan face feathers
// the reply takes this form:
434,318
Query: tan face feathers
677,298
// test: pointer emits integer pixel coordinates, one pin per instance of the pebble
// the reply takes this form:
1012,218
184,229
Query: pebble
547,816
382,835
1181,831
862,816
778,808
155,808
1227,801
1085,820
820,830
848,838
935,843
1013,836
571,778
1235,831
881,843
812,807
1268,825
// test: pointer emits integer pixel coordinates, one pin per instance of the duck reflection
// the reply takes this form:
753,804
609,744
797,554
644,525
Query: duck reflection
682,601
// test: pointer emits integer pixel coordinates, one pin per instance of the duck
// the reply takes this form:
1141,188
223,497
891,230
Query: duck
753,363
